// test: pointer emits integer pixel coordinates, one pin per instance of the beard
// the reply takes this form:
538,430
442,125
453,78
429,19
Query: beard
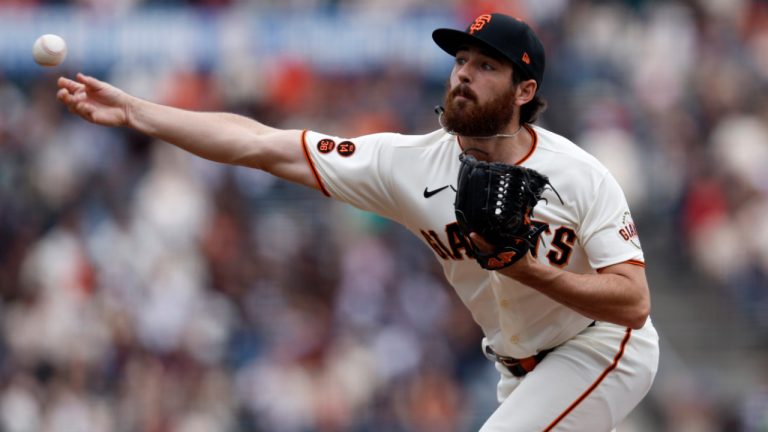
472,119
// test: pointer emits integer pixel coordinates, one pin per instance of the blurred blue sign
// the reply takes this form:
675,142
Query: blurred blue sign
211,38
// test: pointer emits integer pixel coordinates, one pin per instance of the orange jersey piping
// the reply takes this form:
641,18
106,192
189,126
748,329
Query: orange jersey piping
535,141
594,385
633,262
312,164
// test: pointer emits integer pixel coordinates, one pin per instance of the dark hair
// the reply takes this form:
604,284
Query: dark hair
529,112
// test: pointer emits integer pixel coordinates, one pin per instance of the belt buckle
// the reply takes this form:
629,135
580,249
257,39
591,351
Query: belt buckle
515,367
518,367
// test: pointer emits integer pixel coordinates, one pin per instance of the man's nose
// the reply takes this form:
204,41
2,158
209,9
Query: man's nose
463,74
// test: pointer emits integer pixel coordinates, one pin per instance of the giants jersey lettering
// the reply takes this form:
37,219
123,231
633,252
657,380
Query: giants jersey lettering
412,180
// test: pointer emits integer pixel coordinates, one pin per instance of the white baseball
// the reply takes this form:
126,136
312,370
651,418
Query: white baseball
49,50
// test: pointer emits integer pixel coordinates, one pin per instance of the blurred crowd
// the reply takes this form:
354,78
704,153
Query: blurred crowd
147,290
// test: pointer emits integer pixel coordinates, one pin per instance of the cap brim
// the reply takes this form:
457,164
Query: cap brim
451,40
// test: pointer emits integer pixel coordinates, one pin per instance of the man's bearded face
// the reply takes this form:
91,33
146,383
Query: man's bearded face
468,117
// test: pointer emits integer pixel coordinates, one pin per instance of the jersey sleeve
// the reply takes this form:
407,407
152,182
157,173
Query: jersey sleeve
357,171
608,231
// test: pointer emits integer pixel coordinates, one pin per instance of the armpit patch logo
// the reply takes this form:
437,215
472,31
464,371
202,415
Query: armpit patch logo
326,145
628,230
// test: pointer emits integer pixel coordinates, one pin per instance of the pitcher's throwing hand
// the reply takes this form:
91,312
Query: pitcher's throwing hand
94,100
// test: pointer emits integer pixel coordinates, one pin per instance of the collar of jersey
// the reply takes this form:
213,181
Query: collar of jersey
534,143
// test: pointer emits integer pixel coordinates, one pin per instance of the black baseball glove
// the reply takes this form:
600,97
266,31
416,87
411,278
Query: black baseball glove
496,201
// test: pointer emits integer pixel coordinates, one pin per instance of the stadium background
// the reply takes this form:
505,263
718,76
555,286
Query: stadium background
146,290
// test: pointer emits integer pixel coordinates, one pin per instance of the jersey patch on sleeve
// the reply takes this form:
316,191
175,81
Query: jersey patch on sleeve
326,145
628,230
346,148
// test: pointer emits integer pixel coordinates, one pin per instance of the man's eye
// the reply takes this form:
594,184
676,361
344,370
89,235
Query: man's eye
460,61
488,67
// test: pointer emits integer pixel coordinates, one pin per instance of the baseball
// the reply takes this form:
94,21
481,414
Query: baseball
49,50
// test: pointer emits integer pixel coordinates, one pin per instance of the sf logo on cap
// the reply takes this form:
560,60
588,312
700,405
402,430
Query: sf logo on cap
479,23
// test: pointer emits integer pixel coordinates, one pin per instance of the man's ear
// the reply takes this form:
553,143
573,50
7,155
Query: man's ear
525,92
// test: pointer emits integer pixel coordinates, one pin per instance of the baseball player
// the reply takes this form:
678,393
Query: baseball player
567,324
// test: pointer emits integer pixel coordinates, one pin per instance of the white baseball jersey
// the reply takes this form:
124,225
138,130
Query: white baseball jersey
412,180
597,374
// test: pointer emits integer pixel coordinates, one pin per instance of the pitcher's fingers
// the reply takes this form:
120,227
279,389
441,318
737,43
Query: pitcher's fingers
90,81
85,109
68,98
65,97
71,86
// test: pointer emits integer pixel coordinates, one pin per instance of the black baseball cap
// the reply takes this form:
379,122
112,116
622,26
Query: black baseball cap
508,37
